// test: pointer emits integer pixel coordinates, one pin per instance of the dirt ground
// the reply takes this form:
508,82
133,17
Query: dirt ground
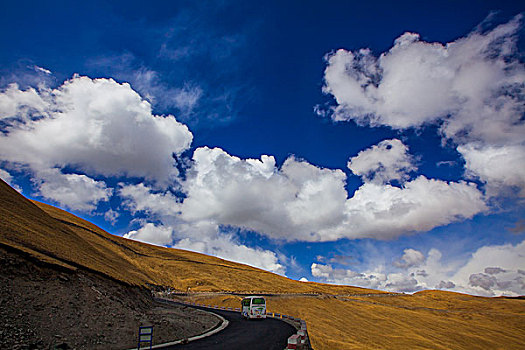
44,307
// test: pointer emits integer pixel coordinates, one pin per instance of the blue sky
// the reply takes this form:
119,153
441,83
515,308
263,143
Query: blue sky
378,144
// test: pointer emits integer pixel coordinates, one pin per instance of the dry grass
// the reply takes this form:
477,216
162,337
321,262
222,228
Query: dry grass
427,320
60,237
340,317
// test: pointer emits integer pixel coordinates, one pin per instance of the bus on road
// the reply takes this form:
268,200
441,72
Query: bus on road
253,307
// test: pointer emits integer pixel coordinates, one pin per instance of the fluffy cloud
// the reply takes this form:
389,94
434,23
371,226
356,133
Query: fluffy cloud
400,282
151,233
472,86
489,271
6,176
385,211
379,209
410,258
15,103
388,160
297,201
140,198
494,270
445,285
96,125
77,192
417,82
300,201
202,236
496,165
207,238
376,279
346,276
226,247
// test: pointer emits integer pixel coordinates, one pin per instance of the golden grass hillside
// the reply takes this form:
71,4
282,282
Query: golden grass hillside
425,320
56,236
339,317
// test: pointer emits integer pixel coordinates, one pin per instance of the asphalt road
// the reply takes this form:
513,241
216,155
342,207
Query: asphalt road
263,334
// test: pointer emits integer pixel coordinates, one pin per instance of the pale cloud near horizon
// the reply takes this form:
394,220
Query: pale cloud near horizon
492,270
73,191
410,258
140,198
473,87
201,236
226,247
6,176
154,234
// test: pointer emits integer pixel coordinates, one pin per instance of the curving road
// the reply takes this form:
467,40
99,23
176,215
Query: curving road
267,334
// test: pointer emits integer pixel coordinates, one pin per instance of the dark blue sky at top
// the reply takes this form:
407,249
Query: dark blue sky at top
260,65
276,68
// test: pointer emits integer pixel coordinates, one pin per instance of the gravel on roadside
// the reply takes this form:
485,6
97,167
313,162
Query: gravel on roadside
43,306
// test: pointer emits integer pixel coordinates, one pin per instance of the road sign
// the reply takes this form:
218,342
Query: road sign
145,336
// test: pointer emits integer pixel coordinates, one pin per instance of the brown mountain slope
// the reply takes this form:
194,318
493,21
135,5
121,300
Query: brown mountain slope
425,320
54,235
340,317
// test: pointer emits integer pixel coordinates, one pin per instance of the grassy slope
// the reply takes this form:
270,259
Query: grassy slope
57,236
433,319
426,320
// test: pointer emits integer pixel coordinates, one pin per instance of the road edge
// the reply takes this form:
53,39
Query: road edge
210,332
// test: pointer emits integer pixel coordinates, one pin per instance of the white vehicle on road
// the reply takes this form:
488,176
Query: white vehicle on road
253,307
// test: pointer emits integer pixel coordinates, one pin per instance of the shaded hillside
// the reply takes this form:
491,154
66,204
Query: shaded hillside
56,236
45,307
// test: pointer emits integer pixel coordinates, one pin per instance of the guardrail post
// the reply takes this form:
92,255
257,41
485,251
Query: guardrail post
302,335
293,342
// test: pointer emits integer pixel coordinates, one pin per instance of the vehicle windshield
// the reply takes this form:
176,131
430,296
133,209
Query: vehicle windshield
258,301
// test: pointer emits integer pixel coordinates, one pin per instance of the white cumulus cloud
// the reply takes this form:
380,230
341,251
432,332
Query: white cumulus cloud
96,125
498,166
73,191
296,201
410,258
386,211
386,161
202,236
151,233
140,198
417,82
300,201
226,247
473,87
